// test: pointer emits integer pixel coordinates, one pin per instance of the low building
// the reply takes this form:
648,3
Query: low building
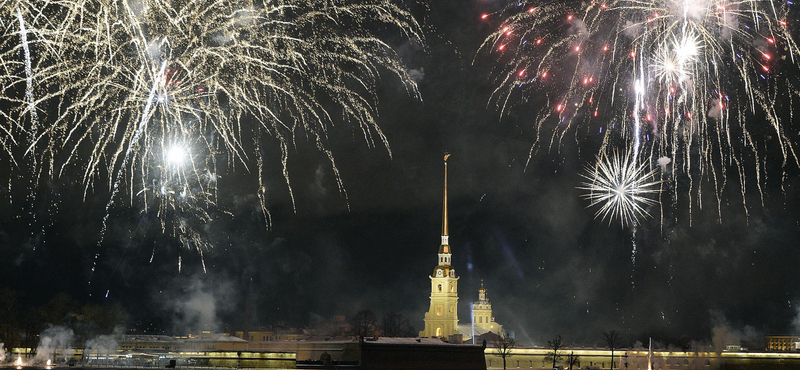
783,342
391,354
637,359
281,334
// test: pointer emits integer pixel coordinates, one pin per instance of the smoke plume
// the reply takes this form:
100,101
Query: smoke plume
101,345
196,304
55,343
724,334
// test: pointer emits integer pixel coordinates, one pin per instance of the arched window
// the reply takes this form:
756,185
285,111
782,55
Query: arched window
440,288
439,310
517,363
480,320
439,332
452,287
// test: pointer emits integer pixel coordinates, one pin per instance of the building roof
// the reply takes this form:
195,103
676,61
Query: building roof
413,341
466,330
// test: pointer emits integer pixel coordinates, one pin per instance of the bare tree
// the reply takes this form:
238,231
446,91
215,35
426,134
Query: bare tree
613,342
503,345
397,325
9,317
572,360
364,324
555,345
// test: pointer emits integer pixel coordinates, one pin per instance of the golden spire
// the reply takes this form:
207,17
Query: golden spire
444,205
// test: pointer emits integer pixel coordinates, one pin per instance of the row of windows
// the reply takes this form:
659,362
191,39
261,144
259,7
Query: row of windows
601,364
452,288
265,338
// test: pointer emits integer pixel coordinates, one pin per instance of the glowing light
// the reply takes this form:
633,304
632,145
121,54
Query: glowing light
176,155
484,16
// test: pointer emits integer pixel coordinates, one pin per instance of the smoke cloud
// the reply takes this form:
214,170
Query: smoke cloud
54,341
663,162
417,74
102,345
196,305
723,334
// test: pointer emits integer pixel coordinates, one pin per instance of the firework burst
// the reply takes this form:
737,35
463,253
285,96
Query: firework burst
142,97
620,187
693,81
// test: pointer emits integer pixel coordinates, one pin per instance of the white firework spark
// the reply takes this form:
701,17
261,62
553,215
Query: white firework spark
681,77
620,187
144,97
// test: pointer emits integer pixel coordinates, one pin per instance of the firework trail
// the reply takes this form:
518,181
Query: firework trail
143,98
670,79
23,34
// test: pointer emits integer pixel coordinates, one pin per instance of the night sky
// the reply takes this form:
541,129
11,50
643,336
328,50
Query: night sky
549,267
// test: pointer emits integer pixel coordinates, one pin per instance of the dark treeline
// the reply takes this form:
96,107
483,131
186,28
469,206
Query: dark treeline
21,327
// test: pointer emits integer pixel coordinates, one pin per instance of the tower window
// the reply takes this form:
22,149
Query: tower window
439,332
439,310
452,287
480,320
440,288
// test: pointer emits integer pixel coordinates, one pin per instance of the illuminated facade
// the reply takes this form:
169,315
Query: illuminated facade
482,313
441,320
783,342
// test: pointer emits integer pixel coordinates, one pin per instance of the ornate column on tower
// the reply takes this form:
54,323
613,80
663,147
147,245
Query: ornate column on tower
441,320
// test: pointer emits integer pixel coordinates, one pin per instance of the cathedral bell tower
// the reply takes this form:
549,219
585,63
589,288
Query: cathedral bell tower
482,313
441,320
